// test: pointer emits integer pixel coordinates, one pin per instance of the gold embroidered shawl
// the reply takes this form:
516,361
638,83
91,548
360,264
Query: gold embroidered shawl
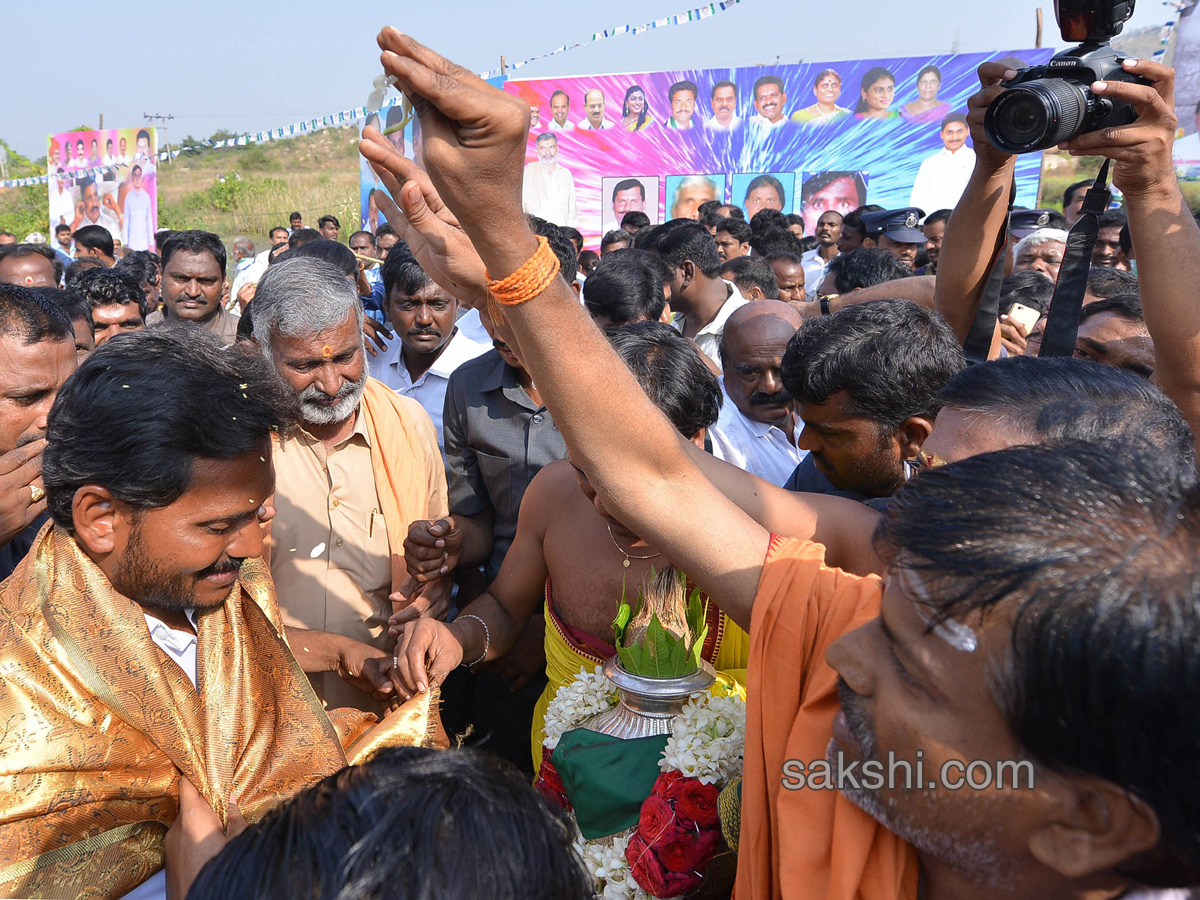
97,724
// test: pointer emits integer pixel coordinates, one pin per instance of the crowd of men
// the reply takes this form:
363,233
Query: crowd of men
263,516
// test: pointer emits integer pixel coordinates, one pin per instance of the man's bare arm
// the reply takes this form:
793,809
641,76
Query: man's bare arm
917,288
978,219
474,145
1166,239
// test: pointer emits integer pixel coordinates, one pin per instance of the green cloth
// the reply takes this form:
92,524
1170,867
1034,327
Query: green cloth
606,778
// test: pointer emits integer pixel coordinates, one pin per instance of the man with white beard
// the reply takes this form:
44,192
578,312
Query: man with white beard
362,466
548,190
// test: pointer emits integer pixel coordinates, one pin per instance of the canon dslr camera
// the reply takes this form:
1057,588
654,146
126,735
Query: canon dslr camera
1046,105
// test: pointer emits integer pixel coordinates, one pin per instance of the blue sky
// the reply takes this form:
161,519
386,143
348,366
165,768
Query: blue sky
249,66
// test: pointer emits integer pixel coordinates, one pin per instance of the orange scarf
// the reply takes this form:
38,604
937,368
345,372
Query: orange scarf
807,844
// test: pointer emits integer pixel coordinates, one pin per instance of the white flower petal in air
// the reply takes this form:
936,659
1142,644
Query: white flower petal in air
317,550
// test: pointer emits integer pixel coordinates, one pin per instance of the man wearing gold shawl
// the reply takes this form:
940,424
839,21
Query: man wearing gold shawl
140,639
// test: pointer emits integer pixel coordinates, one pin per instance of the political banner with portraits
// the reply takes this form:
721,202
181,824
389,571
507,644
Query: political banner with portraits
107,178
803,138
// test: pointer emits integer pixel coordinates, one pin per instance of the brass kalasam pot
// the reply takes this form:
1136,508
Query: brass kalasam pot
647,705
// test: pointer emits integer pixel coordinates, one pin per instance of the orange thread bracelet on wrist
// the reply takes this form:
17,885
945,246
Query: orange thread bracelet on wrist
531,279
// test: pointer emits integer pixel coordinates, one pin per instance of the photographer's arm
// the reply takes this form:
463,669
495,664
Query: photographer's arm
978,219
1165,236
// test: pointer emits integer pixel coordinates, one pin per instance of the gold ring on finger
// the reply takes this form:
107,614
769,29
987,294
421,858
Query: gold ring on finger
36,492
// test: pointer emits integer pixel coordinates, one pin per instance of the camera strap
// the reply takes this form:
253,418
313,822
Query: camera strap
1062,322
983,327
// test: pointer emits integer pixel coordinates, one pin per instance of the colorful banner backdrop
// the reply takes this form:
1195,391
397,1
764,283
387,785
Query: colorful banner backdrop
801,138
397,125
1187,91
106,178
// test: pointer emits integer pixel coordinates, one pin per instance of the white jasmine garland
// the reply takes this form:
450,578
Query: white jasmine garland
707,739
588,695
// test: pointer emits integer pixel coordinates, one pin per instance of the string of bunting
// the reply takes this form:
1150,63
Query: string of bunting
692,15
346,116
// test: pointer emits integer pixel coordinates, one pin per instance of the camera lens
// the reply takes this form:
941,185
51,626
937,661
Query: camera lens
1036,115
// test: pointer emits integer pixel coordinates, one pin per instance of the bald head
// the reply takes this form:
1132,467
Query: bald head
752,347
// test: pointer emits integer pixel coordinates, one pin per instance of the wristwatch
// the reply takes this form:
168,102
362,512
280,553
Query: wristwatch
824,301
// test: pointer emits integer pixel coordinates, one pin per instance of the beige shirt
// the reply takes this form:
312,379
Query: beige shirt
330,555
224,324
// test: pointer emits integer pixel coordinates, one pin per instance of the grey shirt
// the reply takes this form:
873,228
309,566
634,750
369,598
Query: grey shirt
496,439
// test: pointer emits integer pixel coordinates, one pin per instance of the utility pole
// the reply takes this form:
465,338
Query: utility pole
503,68
101,127
158,117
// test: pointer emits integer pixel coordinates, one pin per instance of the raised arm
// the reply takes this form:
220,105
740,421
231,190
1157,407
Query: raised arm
978,219
474,145
1165,236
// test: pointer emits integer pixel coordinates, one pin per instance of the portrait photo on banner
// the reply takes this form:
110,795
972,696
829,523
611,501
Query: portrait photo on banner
107,178
822,192
623,194
685,193
396,125
755,191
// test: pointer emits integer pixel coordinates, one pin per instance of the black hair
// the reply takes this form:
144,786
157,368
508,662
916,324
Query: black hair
1069,193
708,207
636,218
75,306
938,215
588,260
546,136
245,324
1104,282
1125,239
790,219
628,184
930,68
139,265
568,257
57,228
627,286
396,826
1042,400
79,266
864,268
140,410
711,220
735,211
1113,218
16,251
766,220
683,86
95,237
774,241
892,357
383,229
677,244
194,242
108,287
749,272
357,233
294,216
1124,306
768,181
142,133
616,236
821,180
335,253
402,272
303,236
953,117
736,229
275,228
767,79
823,73
574,235
328,218
783,257
720,84
873,75
854,218
671,373
1029,288
1090,550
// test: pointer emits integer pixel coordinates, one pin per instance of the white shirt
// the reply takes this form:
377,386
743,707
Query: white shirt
604,125
759,449
62,208
760,121
554,126
138,230
942,179
714,124
107,221
248,271
549,192
180,646
815,268
470,325
708,338
430,389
